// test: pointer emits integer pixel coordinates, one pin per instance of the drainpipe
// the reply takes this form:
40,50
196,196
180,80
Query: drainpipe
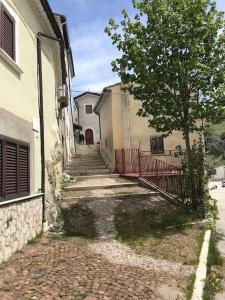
41,108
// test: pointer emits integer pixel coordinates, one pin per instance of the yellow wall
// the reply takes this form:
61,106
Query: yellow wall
112,126
107,147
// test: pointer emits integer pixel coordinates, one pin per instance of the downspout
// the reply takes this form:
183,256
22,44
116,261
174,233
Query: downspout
41,110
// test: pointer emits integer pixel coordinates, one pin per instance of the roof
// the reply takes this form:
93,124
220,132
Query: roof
86,93
103,93
63,20
51,18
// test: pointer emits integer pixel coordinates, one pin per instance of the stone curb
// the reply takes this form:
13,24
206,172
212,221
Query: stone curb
201,272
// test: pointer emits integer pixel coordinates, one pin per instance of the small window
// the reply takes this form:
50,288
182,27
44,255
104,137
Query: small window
88,109
7,32
157,145
14,168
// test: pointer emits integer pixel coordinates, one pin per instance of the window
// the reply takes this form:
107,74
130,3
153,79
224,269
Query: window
157,145
88,109
14,168
7,32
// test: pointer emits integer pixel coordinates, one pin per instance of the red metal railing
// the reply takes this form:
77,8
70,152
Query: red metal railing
137,163
163,170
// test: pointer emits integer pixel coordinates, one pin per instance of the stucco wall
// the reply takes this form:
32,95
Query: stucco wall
114,127
106,121
88,120
19,223
19,97
141,132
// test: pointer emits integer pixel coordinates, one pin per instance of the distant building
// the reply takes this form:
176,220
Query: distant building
122,128
88,120
219,173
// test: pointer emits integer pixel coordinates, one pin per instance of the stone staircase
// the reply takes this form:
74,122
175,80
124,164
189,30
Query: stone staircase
87,161
93,199
89,204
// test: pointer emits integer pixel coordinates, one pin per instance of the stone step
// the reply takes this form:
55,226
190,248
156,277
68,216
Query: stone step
98,187
71,200
102,176
78,172
86,163
87,156
86,167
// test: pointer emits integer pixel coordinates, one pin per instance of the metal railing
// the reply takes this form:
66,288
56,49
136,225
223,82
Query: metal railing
164,170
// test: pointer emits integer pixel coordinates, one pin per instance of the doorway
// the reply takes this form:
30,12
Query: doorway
89,137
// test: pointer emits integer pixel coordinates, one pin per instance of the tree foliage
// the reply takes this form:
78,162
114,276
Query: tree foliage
174,55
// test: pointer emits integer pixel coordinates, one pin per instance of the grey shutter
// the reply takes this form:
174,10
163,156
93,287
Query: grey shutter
7,36
10,169
24,177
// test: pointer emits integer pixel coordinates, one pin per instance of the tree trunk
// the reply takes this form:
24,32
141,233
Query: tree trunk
193,194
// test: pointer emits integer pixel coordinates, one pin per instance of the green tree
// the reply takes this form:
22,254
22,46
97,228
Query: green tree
173,54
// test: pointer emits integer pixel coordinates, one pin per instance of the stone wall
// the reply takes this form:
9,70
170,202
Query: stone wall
20,222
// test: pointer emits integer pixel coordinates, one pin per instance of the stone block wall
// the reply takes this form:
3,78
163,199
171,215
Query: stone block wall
20,222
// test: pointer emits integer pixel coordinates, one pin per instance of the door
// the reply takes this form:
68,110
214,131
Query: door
89,137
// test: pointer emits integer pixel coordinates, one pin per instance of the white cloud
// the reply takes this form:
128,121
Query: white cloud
93,54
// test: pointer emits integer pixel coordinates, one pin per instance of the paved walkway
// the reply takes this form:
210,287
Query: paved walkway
219,195
69,268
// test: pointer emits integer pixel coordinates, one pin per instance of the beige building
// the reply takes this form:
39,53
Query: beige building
35,118
120,127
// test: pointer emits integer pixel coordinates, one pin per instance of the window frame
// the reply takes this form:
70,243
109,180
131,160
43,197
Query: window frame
85,111
157,144
3,8
4,139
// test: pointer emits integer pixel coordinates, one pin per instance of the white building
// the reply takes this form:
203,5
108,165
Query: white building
87,118
219,173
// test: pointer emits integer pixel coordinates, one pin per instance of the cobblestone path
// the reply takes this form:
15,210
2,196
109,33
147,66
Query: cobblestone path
68,268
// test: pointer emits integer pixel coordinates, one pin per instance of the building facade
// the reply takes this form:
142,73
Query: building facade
88,120
122,128
35,74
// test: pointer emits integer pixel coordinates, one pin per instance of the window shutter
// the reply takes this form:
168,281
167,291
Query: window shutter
23,169
160,145
88,109
7,36
1,167
153,144
10,169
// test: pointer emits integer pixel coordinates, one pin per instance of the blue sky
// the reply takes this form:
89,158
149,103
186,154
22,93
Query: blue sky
92,48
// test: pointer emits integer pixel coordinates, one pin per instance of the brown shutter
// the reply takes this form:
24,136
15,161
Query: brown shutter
1,167
7,36
23,169
10,169
88,109
160,145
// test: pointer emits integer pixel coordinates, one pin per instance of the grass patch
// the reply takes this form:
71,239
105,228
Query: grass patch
190,286
191,280
138,224
214,273
62,238
36,239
